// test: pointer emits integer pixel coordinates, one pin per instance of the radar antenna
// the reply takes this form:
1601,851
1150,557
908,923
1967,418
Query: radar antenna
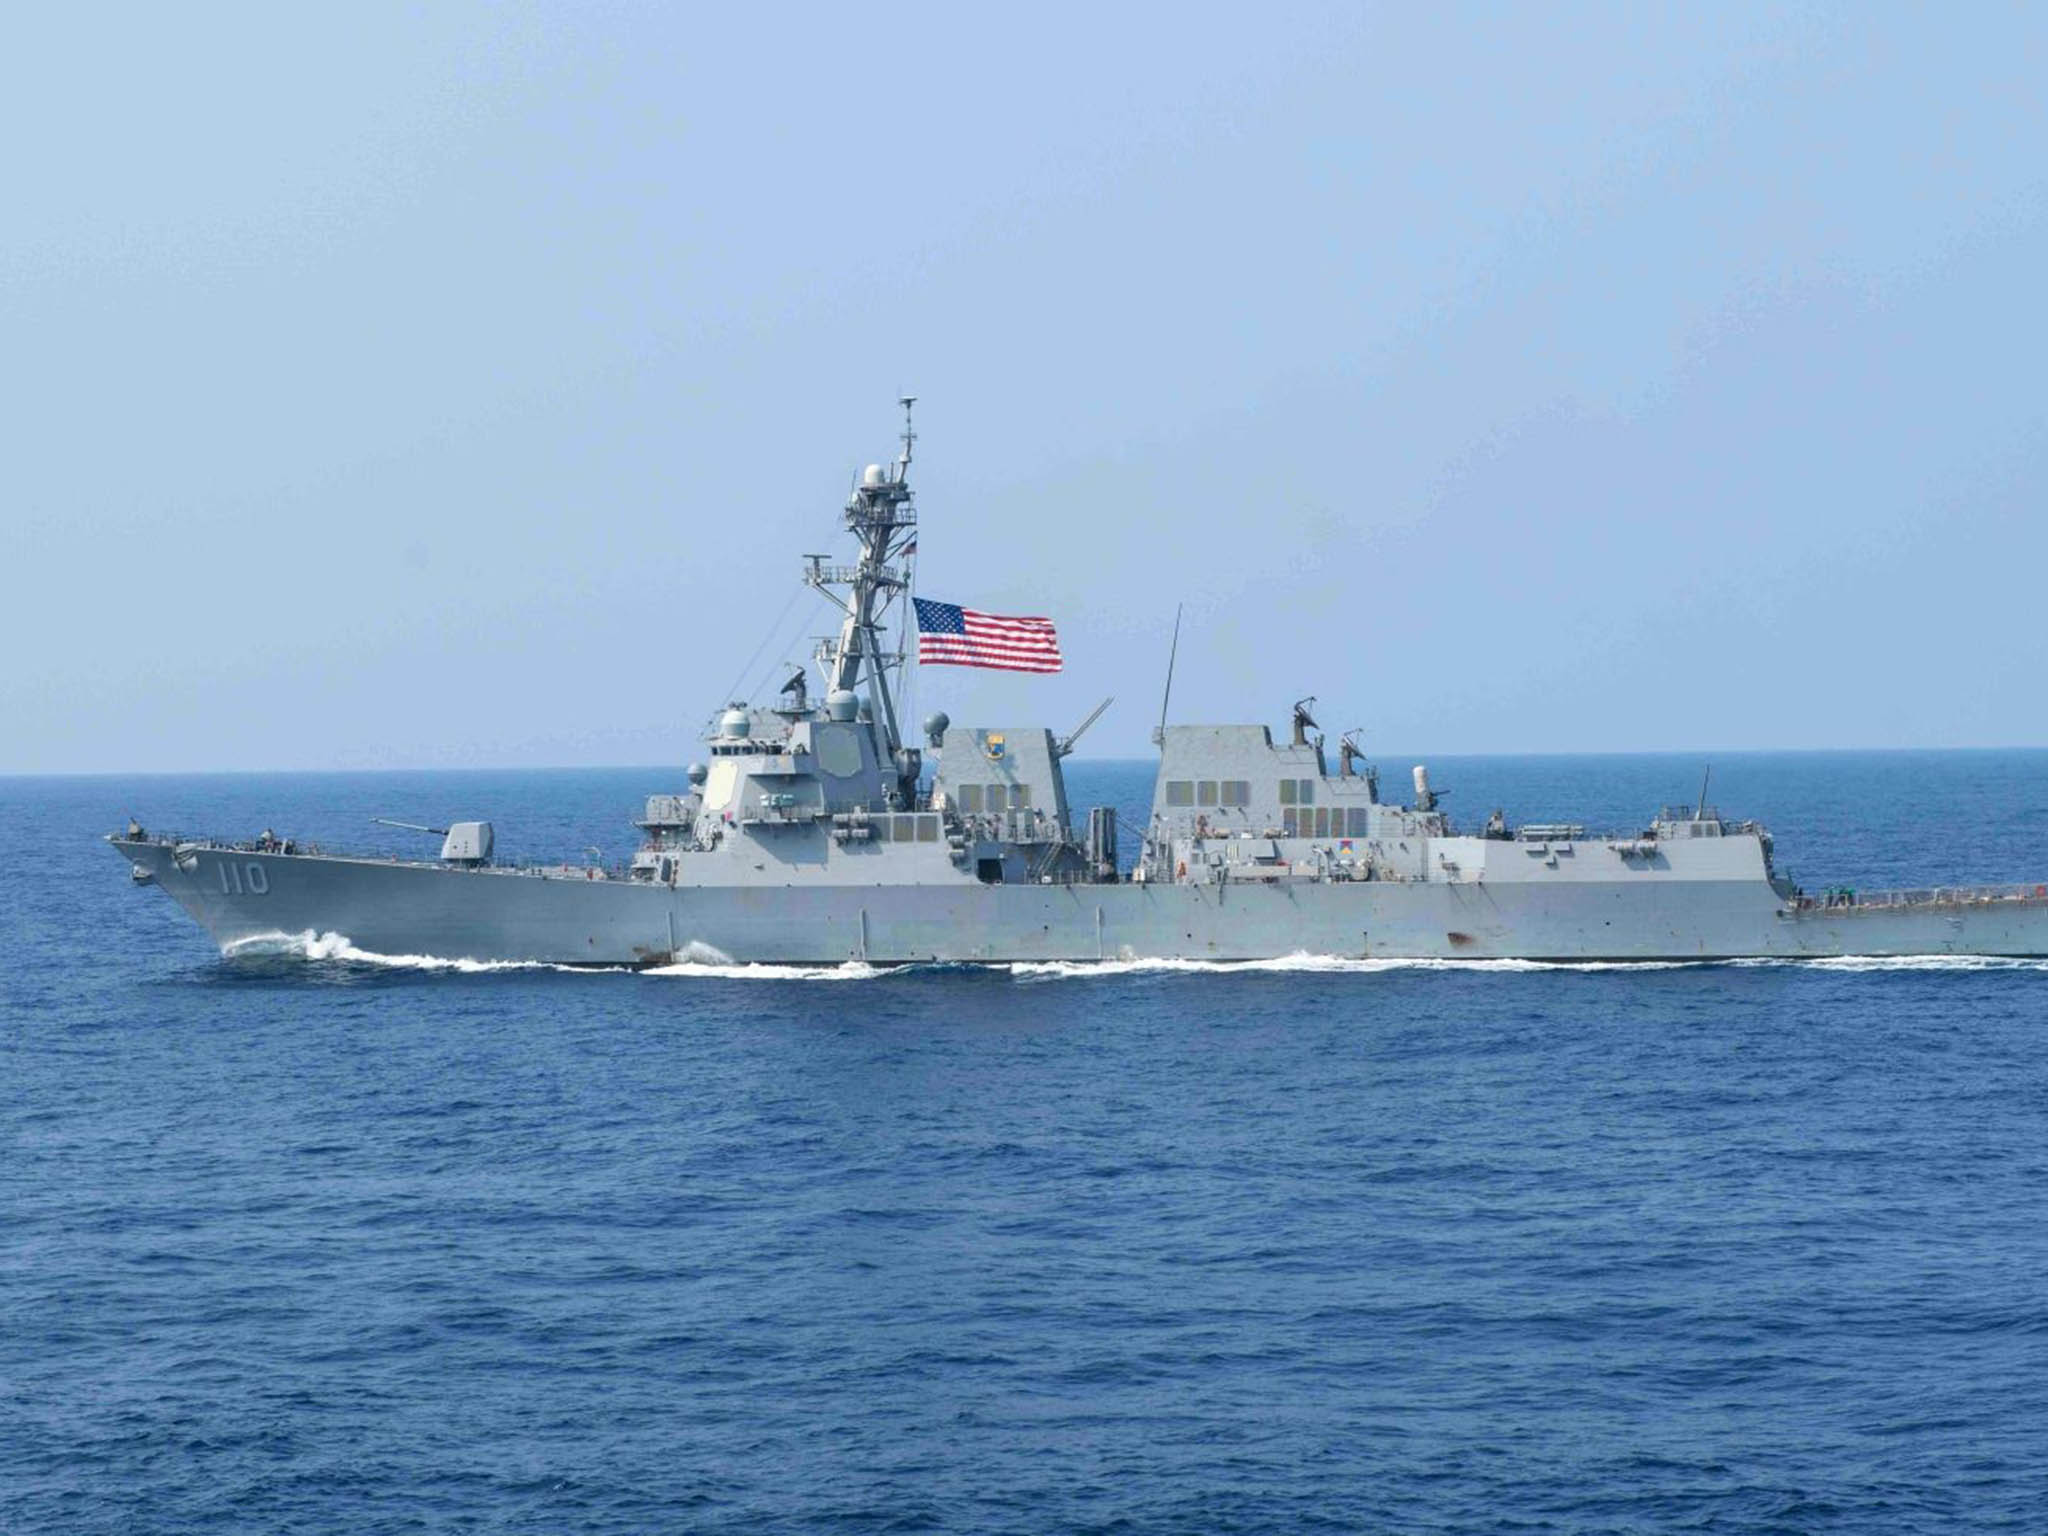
796,700
1304,722
1349,753
882,517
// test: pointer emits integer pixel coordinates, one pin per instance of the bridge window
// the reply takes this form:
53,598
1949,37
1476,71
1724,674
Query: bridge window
1357,821
1020,797
1287,788
1308,792
927,829
969,796
1205,792
1323,821
1287,816
1236,792
1180,791
998,802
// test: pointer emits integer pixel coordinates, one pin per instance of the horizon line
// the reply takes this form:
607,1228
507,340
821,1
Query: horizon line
1697,753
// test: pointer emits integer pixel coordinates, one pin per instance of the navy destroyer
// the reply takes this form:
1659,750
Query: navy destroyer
815,832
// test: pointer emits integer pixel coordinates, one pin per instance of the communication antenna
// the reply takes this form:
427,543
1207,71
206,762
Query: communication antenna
1349,753
1159,736
909,437
1304,722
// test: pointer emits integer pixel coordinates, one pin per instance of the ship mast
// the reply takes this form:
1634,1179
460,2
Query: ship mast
882,517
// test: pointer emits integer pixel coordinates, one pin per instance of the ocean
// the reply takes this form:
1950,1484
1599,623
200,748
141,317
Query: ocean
314,1241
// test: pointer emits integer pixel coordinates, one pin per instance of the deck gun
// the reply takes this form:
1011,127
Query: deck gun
465,843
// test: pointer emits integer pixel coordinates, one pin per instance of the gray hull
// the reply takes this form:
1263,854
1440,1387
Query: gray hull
403,908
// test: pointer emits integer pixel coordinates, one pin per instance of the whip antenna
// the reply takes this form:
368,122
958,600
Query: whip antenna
1159,736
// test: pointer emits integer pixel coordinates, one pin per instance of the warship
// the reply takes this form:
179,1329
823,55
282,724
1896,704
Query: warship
814,832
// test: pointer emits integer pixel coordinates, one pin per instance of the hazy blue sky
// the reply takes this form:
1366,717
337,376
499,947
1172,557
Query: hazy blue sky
436,385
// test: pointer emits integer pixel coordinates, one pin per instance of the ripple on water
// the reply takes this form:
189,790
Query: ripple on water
312,1239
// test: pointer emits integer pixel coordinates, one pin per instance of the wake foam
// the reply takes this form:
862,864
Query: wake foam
1336,965
1327,965
852,970
703,963
1904,963
699,960
336,947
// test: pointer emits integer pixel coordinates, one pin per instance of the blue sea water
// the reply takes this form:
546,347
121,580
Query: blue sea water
335,1245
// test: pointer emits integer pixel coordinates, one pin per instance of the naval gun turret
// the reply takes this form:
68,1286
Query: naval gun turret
465,844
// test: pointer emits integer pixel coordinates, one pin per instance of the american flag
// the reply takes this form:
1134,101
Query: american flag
948,635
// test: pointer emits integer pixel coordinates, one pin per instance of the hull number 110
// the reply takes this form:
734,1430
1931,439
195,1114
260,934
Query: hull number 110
237,879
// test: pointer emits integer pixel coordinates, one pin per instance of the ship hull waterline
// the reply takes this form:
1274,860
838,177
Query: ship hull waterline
573,918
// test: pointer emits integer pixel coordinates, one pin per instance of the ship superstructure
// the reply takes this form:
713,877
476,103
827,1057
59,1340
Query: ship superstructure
812,831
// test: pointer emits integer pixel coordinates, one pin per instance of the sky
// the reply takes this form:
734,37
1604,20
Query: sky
396,386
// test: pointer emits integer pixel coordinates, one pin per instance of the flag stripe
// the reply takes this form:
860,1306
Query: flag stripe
939,650
994,666
933,650
997,621
1018,647
970,643
947,658
1020,642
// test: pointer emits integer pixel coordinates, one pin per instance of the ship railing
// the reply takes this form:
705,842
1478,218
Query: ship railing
1559,832
1030,826
845,575
1550,832
235,845
1851,900
615,869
